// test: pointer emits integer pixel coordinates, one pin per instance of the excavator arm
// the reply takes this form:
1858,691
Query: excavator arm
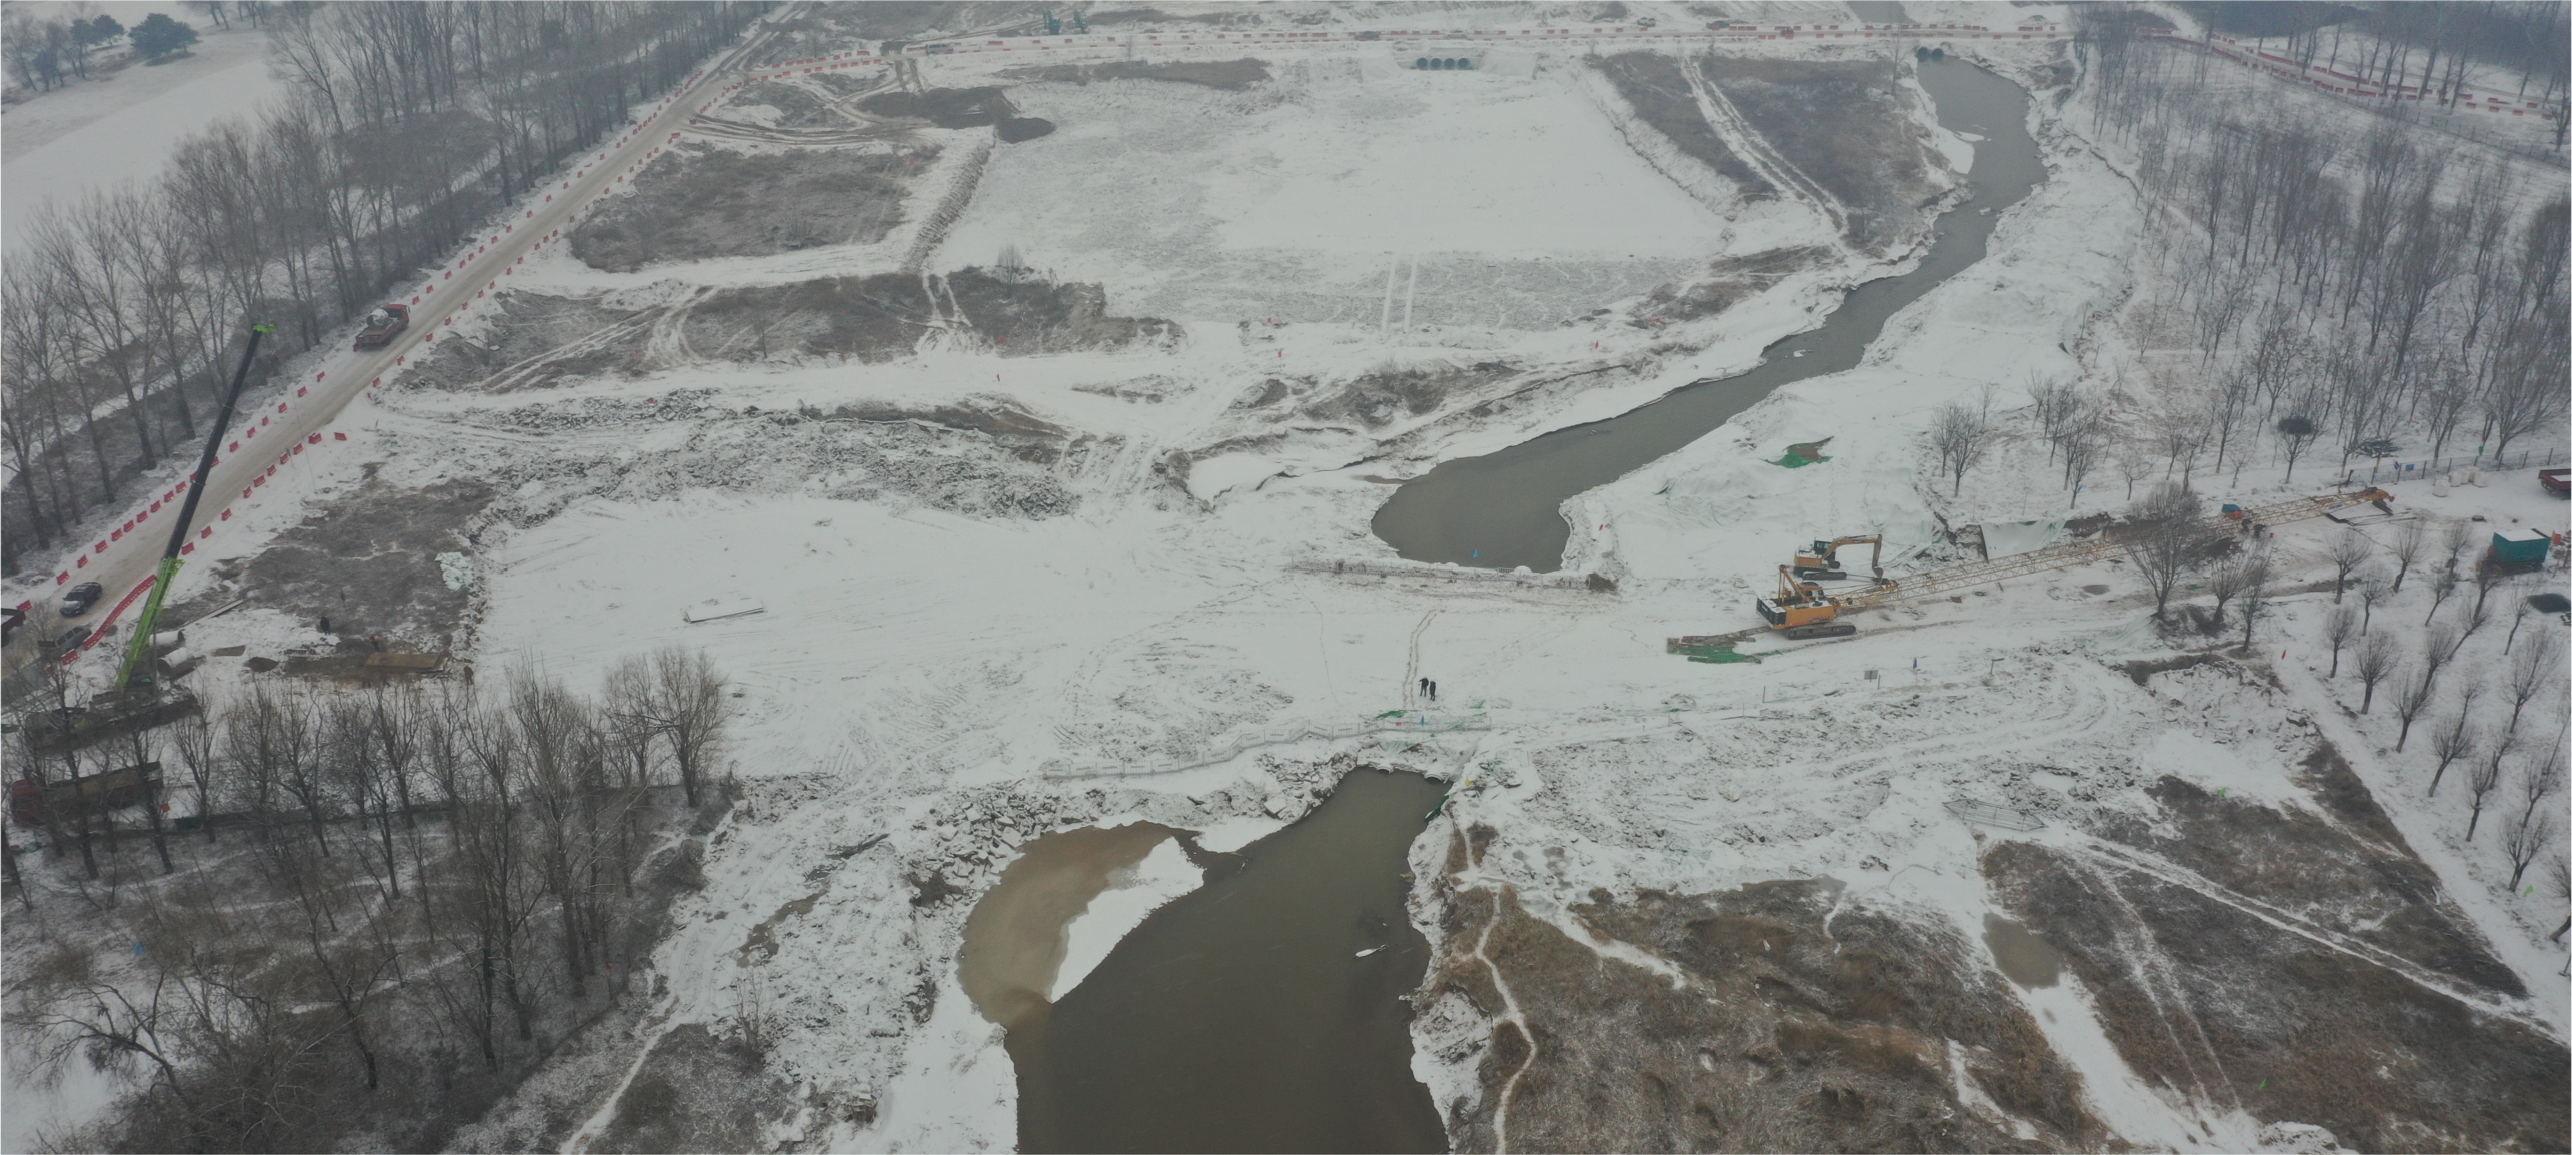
1824,558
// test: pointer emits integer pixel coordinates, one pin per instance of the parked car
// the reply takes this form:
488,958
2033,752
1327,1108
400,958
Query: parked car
2556,481
81,597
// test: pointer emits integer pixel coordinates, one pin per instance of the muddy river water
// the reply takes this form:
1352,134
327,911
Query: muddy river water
1505,509
1261,1012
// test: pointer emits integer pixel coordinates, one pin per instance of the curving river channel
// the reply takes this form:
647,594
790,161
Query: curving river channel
1263,1011
1505,509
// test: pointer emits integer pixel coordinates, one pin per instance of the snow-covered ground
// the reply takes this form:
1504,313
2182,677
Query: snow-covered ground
120,126
961,681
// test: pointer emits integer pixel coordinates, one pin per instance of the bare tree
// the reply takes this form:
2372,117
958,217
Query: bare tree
2349,550
2408,540
2411,699
2295,434
2371,589
2254,603
2377,660
2453,741
1959,435
2558,879
2231,579
2165,541
691,705
2532,672
2538,781
2439,645
2441,588
2454,540
2337,628
2524,838
2482,776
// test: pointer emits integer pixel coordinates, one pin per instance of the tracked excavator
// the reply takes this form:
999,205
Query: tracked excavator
1823,560
1803,608
139,700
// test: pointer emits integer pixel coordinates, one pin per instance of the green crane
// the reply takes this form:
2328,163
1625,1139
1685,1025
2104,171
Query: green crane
138,654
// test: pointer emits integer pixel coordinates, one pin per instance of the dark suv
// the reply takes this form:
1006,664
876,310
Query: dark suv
81,597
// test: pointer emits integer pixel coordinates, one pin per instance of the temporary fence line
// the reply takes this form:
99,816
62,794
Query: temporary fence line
2351,86
1730,33
1403,723
2398,472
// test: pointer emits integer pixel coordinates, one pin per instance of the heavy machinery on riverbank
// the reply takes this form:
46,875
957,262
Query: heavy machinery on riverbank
1803,608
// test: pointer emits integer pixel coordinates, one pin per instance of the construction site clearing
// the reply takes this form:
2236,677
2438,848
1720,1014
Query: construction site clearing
1804,608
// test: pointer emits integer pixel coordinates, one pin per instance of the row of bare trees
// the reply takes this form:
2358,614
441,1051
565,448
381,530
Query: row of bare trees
403,899
406,126
2352,297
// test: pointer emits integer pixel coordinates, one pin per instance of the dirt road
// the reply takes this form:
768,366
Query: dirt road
280,426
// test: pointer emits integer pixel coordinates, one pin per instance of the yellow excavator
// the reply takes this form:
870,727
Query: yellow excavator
1803,609
1823,560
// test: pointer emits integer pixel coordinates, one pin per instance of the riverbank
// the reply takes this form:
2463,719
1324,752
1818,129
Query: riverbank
1009,594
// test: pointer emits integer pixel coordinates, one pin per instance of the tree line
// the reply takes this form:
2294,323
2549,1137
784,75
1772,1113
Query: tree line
408,896
406,126
2348,296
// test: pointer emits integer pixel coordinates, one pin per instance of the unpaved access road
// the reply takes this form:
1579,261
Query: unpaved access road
125,567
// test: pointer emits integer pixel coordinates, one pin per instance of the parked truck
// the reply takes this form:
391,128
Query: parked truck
32,804
383,325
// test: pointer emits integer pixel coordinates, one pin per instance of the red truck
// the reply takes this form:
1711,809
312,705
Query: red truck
32,804
2556,481
383,325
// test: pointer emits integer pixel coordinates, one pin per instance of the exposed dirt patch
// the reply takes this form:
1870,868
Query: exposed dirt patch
542,338
1659,94
367,561
944,107
697,1093
1803,1027
2228,1008
1843,124
1228,75
1729,281
1379,399
697,202
1020,129
881,317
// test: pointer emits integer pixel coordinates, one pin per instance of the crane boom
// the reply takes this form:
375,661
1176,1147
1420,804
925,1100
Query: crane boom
138,653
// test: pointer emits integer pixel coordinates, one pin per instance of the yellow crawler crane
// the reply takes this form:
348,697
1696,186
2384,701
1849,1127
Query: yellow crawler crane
1803,609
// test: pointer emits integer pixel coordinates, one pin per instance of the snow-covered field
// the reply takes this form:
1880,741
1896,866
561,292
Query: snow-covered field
120,126
960,680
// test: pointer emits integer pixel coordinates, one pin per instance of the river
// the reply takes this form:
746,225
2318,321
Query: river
1261,1012
1505,509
